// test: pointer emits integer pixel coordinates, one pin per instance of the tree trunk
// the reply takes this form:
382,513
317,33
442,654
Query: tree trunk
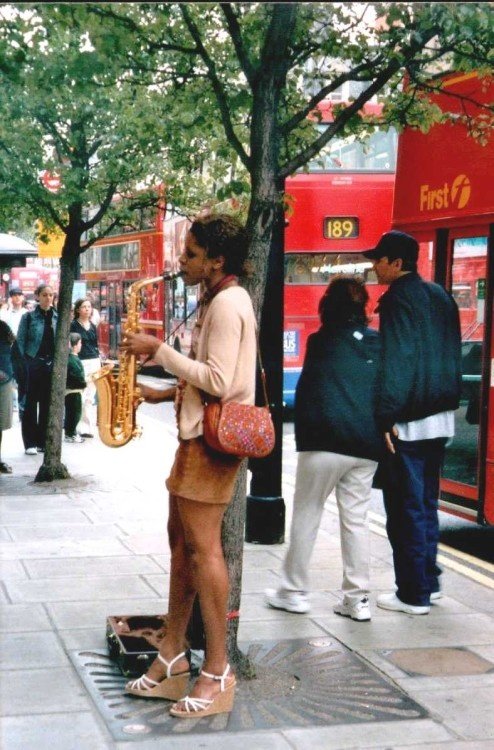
233,544
52,467
266,247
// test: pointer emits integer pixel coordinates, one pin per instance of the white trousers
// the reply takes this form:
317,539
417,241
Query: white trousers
87,424
318,474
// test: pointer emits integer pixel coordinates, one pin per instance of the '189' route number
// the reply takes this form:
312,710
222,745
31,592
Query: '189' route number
341,227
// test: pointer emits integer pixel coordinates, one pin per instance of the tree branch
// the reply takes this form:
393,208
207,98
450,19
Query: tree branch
218,88
380,80
277,39
99,236
108,12
302,114
234,30
86,225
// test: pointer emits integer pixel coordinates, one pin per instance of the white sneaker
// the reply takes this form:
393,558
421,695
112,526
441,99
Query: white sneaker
436,595
291,601
31,451
358,611
391,601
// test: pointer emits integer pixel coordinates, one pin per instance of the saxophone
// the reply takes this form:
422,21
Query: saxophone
118,394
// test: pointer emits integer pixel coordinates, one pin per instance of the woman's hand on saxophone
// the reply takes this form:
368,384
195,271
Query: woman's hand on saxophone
155,395
140,343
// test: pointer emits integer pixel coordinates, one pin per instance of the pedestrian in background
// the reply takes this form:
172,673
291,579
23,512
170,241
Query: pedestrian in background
95,316
338,443
12,316
91,362
15,310
75,385
6,381
419,388
36,342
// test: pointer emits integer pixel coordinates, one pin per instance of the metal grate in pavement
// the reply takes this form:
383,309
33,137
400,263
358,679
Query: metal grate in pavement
300,683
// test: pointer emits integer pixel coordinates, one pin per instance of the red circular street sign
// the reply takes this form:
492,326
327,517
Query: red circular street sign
51,181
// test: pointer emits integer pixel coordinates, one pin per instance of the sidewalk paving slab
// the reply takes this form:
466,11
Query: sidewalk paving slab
74,552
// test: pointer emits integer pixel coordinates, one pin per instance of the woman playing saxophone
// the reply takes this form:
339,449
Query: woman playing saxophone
221,364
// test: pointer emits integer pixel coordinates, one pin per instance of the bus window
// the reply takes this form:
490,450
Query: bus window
179,299
374,153
319,268
103,310
469,271
93,290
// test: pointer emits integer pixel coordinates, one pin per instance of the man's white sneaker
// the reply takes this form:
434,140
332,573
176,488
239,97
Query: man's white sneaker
391,601
436,595
358,611
31,452
291,601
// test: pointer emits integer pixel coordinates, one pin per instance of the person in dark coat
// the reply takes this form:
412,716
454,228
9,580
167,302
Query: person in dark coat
7,338
419,389
36,343
339,445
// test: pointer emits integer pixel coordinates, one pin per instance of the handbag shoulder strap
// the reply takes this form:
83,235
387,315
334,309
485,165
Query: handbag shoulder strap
263,373
206,398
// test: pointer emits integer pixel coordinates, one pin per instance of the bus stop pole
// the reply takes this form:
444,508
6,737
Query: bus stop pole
265,511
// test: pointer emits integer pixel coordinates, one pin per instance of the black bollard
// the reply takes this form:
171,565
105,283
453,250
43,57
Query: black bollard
265,512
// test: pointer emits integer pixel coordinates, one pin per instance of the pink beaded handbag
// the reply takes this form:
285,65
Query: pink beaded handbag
240,429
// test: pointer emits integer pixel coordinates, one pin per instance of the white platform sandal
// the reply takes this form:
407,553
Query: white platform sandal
172,687
195,708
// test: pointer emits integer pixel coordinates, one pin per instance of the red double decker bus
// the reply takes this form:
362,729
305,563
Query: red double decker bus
147,249
444,198
30,277
339,208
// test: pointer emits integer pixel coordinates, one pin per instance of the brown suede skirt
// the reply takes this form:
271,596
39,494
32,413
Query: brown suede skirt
201,474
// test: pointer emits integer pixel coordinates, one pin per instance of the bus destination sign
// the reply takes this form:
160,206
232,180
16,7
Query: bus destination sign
340,227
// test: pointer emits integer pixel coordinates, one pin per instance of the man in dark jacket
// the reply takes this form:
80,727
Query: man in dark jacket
419,387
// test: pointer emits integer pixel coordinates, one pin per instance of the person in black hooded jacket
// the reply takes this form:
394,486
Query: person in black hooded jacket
339,445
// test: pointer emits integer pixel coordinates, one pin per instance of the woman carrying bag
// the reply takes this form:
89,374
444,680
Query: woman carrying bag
221,365
339,445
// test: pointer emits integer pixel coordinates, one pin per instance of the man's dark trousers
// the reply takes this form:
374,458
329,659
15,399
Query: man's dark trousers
411,492
35,416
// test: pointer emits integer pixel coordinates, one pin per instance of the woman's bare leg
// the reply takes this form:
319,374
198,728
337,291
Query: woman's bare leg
202,528
180,600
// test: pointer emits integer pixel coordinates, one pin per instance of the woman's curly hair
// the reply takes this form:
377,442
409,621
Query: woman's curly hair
222,234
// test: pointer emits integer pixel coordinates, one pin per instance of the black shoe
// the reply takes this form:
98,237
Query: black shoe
86,434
